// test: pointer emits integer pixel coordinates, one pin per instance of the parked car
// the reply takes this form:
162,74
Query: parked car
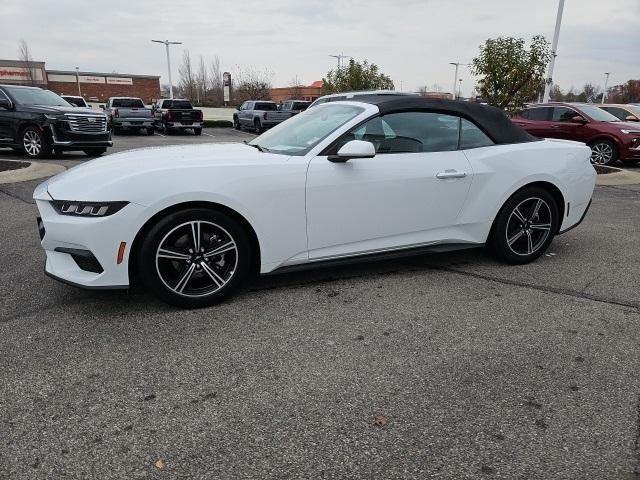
626,113
336,97
258,115
339,182
76,101
94,99
293,107
609,138
38,122
177,114
128,113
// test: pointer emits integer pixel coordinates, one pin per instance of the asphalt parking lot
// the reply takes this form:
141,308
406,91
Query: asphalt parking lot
441,366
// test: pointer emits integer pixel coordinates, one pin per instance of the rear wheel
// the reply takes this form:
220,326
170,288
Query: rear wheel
525,226
197,131
603,152
35,143
194,257
150,131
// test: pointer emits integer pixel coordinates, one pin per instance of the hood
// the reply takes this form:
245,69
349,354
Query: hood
133,171
61,110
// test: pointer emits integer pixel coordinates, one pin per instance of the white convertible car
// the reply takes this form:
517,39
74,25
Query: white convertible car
378,175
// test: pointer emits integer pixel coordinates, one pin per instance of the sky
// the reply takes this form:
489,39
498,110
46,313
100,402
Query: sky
412,41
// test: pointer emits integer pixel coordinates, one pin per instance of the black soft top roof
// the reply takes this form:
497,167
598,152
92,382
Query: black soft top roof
490,119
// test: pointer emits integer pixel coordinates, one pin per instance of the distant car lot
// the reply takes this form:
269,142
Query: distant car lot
441,366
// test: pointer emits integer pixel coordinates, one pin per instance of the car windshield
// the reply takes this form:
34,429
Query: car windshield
302,132
598,114
36,96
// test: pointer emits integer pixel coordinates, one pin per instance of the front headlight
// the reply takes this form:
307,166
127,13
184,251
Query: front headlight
51,117
630,132
87,209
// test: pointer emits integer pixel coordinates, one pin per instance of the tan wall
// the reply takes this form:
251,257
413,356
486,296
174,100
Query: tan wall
300,93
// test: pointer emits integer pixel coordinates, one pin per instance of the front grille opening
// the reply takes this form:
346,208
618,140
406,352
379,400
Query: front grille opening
87,124
84,259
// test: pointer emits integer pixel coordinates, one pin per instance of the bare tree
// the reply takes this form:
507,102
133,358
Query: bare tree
251,84
24,55
295,89
215,82
187,84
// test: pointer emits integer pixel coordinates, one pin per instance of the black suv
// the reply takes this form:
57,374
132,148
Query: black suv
38,121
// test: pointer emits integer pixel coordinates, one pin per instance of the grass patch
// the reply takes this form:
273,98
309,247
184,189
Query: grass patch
217,124
6,165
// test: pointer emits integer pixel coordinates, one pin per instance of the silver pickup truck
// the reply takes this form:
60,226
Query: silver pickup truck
128,113
258,115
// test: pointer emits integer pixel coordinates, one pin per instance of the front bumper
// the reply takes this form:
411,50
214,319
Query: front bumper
65,237
68,140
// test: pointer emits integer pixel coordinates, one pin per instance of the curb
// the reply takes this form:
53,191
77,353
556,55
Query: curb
34,171
618,177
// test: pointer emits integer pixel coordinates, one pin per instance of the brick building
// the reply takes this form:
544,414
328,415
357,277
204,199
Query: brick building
309,93
89,84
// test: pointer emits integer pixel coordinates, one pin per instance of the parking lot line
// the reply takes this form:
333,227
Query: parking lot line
207,134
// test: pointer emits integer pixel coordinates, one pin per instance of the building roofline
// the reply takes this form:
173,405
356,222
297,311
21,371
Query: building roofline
100,74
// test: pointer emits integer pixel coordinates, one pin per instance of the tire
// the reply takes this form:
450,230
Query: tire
116,130
165,129
257,126
236,123
94,152
184,278
150,131
35,143
519,235
197,131
604,152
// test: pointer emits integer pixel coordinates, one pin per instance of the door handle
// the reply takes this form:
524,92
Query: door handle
450,174
555,126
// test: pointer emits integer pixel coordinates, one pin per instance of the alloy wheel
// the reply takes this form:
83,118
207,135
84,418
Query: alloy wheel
196,258
32,143
529,226
601,153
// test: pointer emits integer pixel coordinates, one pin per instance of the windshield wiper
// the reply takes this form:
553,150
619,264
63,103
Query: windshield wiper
255,145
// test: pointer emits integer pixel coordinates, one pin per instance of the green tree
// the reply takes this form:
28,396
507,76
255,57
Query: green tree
509,73
356,76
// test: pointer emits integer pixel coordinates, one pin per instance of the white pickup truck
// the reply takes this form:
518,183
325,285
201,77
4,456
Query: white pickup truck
258,115
128,113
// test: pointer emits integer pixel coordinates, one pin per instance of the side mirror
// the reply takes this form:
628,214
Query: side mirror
631,118
6,103
353,149
102,107
89,106
578,119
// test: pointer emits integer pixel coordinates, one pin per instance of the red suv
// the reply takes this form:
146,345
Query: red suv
609,138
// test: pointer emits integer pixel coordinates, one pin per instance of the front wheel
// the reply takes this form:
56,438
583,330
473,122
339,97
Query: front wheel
603,152
194,257
525,226
257,126
35,143
236,123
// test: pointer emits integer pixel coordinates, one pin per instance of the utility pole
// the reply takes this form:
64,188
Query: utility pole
554,50
460,89
339,56
455,78
606,84
166,44
78,80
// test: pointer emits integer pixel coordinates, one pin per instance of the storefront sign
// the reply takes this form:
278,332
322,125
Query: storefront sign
119,81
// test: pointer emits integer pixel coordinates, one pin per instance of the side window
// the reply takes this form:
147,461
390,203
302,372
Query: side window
410,132
563,114
471,136
539,113
617,112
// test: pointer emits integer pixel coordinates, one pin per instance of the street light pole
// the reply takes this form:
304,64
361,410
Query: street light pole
78,80
606,84
166,44
554,49
339,56
455,78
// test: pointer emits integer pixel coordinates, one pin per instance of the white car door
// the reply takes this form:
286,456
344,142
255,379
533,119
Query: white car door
410,194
